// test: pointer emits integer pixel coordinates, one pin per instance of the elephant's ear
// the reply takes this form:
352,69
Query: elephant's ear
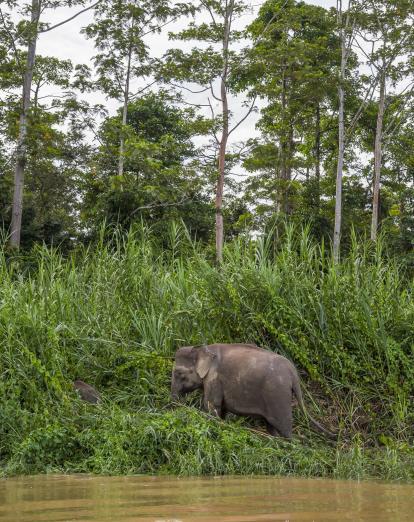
204,361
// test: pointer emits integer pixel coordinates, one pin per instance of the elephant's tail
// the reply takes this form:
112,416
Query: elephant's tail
298,393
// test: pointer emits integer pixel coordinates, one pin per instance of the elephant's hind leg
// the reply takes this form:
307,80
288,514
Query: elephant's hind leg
280,424
278,432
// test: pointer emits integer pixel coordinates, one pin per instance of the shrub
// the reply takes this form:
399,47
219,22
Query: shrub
114,314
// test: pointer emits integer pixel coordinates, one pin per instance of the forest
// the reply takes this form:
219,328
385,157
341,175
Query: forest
254,182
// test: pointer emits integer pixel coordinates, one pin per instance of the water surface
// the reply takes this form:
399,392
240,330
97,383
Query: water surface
67,498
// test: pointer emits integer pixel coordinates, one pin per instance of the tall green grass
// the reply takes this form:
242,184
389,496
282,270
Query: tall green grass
114,314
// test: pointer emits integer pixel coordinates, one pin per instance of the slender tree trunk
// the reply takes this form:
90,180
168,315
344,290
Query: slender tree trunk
36,96
318,156
224,136
378,159
124,115
283,150
289,157
340,165
17,209
221,169
341,145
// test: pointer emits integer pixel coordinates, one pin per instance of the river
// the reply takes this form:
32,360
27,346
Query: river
64,498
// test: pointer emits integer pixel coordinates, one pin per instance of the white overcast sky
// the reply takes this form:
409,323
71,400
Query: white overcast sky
67,42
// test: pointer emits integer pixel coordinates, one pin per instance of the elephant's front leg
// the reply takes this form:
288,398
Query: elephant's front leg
213,398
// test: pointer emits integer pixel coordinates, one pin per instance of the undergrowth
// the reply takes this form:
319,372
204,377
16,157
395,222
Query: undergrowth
114,314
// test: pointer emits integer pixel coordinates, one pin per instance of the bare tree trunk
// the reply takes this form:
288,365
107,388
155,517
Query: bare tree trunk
124,115
341,144
378,159
224,135
318,156
340,166
291,146
221,169
17,209
283,151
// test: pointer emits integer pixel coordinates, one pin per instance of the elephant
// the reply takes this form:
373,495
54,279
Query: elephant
243,379
87,392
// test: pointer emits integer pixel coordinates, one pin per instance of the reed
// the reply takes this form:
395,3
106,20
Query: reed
114,313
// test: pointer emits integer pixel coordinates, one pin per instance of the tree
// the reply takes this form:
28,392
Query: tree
395,205
397,201
119,32
56,152
210,66
21,151
26,33
292,66
387,27
161,180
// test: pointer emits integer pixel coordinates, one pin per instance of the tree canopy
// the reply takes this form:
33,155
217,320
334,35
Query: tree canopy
172,150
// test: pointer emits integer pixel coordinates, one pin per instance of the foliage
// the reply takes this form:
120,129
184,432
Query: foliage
123,205
113,315
56,155
161,181
159,163
293,63
118,30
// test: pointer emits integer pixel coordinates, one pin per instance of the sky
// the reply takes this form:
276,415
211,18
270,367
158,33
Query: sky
67,42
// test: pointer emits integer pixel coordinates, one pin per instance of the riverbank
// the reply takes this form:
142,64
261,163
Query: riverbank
183,442
114,316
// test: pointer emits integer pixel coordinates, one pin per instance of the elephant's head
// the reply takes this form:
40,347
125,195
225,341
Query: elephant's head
192,364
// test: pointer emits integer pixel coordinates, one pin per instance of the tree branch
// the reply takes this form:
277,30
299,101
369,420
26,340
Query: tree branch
70,19
206,6
157,205
393,125
160,26
368,97
212,93
245,116
187,89
13,43
213,118
142,90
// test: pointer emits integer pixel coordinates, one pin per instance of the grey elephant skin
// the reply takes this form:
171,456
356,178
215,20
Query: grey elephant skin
242,379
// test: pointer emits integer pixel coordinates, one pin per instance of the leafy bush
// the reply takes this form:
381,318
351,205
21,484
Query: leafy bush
114,314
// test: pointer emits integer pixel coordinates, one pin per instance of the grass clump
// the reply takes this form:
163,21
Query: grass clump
114,314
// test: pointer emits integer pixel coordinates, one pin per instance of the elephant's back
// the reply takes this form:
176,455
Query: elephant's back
243,359
250,351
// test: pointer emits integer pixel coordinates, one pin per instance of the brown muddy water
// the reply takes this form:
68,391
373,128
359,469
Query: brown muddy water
230,499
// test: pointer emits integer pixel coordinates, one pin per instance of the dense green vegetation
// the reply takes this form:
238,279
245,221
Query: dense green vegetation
169,221
169,154
114,313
